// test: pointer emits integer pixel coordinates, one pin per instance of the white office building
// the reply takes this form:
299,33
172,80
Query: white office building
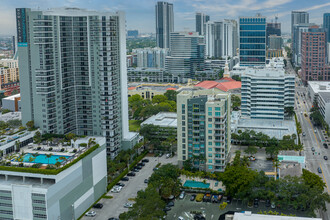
266,92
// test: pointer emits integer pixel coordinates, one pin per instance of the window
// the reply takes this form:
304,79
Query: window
210,109
210,137
210,143
210,125
39,208
210,119
210,155
217,108
210,167
209,113
209,160
217,114
210,131
210,148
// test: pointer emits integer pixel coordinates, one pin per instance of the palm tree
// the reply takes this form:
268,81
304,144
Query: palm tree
48,156
17,144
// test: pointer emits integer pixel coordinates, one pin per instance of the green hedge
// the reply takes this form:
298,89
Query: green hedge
47,171
118,178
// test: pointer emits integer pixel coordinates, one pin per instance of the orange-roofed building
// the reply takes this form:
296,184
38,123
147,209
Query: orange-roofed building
131,88
225,84
229,86
207,84
171,89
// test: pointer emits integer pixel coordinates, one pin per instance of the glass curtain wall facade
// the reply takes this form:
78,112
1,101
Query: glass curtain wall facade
252,41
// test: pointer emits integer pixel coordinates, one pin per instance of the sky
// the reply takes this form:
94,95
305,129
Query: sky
140,14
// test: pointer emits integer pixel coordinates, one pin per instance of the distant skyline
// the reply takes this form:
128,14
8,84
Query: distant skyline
140,14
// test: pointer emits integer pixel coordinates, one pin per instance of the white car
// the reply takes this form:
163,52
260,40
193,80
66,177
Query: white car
116,189
180,218
168,155
128,205
90,214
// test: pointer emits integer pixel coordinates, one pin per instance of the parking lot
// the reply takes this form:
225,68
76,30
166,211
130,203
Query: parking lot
115,206
211,211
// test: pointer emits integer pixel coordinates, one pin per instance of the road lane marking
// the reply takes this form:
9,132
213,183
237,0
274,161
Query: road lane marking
324,178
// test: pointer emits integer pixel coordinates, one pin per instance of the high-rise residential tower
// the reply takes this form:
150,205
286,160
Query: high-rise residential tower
73,72
298,17
187,55
164,23
151,57
201,20
298,29
204,128
326,25
252,40
221,38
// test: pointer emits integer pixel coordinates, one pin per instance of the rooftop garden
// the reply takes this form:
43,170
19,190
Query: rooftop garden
48,154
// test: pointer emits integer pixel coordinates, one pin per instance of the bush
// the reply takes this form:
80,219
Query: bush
83,145
74,151
50,149
62,150
36,165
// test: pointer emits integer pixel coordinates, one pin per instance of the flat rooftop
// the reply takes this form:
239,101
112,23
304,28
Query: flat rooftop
250,216
11,116
272,128
325,96
12,97
319,86
162,119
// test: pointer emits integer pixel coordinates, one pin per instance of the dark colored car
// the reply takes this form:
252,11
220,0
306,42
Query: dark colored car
146,181
192,197
325,157
125,178
267,203
141,164
166,209
98,206
120,184
228,199
170,204
255,203
113,218
199,217
145,160
139,167
135,170
131,174
325,145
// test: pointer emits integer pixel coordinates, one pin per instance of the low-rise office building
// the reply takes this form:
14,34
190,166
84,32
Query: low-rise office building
204,128
324,105
12,103
315,87
61,193
149,90
166,122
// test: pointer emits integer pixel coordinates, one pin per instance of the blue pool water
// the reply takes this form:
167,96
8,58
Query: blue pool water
196,184
41,158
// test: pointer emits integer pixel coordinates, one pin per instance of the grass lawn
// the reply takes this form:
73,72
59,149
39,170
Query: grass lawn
134,125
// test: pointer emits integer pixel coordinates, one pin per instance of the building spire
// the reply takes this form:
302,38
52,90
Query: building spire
226,70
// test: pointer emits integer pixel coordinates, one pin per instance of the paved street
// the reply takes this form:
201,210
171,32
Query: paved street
113,207
314,137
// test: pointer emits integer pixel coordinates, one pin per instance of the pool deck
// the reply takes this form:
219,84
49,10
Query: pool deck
183,179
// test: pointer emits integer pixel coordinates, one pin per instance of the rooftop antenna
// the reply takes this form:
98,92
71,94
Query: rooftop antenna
276,18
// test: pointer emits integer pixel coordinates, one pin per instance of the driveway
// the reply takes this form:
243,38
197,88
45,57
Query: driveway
115,206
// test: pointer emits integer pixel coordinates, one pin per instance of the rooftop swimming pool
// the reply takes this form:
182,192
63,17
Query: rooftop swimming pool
196,184
41,158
